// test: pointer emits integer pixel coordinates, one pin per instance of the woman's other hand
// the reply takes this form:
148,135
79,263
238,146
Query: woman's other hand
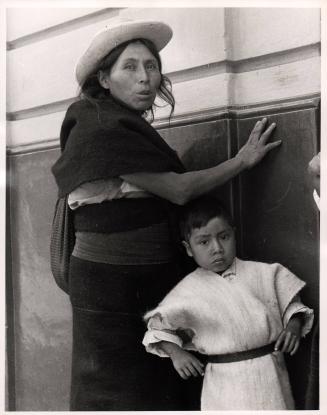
256,148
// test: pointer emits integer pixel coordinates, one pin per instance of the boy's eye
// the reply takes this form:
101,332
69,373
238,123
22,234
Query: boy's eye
204,242
224,236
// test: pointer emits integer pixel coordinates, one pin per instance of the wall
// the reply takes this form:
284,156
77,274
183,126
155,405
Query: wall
229,67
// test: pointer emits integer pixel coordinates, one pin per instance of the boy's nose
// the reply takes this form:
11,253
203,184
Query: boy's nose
216,246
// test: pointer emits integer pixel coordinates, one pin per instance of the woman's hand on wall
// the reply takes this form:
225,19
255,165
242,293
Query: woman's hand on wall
256,148
181,188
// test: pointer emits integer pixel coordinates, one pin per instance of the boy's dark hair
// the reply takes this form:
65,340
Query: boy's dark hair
199,212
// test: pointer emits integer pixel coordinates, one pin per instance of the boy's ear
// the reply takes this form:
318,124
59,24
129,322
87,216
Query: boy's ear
188,248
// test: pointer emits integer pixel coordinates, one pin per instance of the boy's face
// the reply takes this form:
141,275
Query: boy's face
212,246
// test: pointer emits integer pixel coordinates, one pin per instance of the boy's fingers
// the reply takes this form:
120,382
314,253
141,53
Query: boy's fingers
181,374
286,342
198,367
197,362
291,345
184,375
296,346
279,340
192,370
187,372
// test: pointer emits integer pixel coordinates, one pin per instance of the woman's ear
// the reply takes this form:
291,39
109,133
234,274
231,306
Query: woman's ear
103,79
188,248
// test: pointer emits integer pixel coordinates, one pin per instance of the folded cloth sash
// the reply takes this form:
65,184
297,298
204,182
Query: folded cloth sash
150,245
238,356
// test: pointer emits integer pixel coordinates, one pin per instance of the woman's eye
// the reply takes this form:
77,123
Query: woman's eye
130,66
224,237
152,66
203,242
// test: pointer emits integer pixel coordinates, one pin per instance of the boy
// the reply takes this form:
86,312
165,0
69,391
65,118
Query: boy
242,314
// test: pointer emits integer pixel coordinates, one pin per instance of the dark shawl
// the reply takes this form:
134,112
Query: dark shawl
109,140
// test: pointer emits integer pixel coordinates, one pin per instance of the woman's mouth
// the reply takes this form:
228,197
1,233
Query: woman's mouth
145,93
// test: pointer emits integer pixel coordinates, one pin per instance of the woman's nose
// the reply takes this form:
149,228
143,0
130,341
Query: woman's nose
143,75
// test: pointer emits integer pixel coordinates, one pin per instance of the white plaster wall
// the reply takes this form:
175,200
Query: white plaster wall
198,35
22,21
42,71
259,31
279,82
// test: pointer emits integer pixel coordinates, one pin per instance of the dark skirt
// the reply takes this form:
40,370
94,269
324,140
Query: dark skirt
111,370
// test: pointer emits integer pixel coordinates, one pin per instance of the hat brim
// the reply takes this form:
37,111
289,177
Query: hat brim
104,42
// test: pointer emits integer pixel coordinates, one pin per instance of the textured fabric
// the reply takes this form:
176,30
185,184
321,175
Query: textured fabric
149,245
108,140
110,368
240,312
62,242
123,215
101,190
296,307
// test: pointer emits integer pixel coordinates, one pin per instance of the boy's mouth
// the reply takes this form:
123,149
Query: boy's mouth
218,261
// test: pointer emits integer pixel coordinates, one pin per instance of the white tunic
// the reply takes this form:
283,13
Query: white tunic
244,308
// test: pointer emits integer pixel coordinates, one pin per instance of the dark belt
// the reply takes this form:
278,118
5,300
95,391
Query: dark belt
238,356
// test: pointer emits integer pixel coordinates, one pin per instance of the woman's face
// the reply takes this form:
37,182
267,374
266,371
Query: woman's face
134,78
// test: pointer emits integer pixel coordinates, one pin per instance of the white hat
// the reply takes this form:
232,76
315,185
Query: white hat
110,37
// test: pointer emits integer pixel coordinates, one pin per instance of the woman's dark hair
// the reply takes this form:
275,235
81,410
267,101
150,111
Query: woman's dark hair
199,212
94,92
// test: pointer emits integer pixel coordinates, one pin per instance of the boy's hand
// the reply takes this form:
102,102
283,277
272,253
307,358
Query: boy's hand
289,339
186,364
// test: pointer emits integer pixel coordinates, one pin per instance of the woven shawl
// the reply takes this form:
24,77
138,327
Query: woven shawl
108,140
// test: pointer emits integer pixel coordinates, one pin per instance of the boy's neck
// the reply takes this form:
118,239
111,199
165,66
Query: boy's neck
231,267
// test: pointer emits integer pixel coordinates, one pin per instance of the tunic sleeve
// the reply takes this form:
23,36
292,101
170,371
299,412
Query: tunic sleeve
157,332
288,286
296,306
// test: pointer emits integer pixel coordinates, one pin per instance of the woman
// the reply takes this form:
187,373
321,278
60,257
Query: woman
124,183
